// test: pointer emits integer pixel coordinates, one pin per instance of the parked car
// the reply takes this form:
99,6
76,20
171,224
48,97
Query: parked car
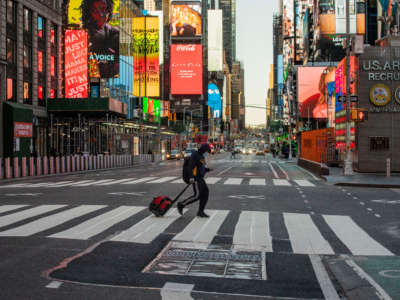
174,154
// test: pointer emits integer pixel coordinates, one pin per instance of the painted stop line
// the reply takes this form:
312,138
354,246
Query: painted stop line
390,273
246,197
383,201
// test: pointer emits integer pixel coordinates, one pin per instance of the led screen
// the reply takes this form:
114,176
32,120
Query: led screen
214,100
186,19
99,18
151,109
186,69
76,64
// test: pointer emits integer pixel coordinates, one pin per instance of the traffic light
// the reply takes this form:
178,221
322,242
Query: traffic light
359,114
362,115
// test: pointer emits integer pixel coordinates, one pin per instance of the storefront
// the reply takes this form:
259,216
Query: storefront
378,138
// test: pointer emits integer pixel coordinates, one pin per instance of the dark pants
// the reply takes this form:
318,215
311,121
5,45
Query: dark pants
202,196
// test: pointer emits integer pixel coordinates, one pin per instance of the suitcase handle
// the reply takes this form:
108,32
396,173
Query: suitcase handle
180,194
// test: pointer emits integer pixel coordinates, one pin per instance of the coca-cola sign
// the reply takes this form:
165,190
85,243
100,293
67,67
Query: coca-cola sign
186,69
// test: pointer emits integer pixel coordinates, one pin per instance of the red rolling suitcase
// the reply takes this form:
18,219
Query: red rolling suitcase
161,204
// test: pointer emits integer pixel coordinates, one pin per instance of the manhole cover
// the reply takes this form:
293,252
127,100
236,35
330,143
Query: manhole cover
175,260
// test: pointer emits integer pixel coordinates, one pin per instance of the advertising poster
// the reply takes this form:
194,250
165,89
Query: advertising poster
138,56
186,19
99,18
165,109
186,69
215,45
312,91
214,100
152,58
76,64
151,109
340,77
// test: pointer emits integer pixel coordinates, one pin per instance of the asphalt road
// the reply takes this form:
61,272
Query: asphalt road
275,232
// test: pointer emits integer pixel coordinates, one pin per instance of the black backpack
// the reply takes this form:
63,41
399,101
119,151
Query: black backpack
187,172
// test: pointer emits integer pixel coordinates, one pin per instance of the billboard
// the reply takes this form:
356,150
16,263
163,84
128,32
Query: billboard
186,69
76,64
100,19
151,109
185,19
215,46
312,91
146,56
214,100
340,77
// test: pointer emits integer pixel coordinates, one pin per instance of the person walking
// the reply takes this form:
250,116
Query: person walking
199,169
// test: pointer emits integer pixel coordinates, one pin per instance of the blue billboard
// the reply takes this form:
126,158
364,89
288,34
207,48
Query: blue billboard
214,100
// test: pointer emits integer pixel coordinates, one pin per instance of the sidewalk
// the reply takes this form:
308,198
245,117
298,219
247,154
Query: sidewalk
377,180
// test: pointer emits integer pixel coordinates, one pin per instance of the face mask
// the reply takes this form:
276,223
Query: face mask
205,155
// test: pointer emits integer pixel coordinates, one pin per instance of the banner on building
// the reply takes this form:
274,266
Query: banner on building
214,100
151,109
215,46
76,64
185,19
186,69
101,20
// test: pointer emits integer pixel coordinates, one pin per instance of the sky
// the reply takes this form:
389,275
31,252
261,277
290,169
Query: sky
254,49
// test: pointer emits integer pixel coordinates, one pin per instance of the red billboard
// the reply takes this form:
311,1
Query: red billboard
186,69
76,64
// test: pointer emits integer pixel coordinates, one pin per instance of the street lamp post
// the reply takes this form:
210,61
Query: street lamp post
348,164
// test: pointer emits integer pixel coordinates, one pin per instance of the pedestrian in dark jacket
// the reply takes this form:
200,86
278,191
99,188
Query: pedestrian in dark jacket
198,165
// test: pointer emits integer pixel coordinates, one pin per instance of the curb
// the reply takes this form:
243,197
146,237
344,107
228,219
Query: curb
389,186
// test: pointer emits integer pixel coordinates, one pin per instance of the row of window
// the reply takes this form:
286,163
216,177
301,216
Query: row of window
28,54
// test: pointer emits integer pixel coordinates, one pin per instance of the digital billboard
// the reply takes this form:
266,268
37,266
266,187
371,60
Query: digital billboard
214,100
312,91
185,19
146,56
151,109
99,18
76,64
186,69
215,46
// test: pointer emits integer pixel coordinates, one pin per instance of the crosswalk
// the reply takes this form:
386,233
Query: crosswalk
252,230
160,180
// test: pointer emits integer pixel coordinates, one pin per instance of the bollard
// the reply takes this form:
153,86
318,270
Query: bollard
51,160
7,167
73,164
57,165
38,166
388,173
31,166
24,167
45,166
68,163
62,164
16,167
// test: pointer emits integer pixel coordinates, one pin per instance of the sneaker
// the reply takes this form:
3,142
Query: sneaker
202,214
180,208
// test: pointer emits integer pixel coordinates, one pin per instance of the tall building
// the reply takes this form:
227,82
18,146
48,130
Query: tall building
229,29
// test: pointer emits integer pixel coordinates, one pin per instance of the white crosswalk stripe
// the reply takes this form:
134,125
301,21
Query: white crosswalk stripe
234,181
83,183
162,179
281,182
117,181
141,180
212,180
251,231
257,181
51,221
305,183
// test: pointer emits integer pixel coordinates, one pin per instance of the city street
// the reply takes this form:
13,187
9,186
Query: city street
275,232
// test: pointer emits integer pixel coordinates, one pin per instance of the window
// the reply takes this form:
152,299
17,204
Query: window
379,143
40,61
10,12
27,93
10,89
10,51
27,19
52,93
52,66
40,92
53,34
40,27
27,57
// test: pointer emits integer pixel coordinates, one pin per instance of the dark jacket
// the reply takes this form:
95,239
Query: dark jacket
197,163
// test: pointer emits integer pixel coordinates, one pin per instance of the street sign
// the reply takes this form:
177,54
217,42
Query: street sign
353,98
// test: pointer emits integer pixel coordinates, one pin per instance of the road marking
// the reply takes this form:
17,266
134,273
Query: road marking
178,181
388,273
148,229
354,237
59,184
54,285
396,190
128,193
162,179
252,232
362,203
257,181
283,171
369,209
234,181
6,208
175,291
305,236
273,170
224,171
83,183
103,181
23,194
281,182
140,180
51,221
383,201
383,295
28,213
94,226
377,215
246,197
325,282
303,182
118,181
201,231
212,180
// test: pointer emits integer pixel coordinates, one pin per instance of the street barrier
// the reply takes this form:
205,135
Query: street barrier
45,165
38,166
1,169
51,160
8,168
16,167
31,166
68,167
62,164
24,167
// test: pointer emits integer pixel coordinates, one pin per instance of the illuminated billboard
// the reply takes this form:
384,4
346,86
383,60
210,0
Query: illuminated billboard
312,90
99,18
186,69
185,19
76,64
215,46
146,56
214,100
151,109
